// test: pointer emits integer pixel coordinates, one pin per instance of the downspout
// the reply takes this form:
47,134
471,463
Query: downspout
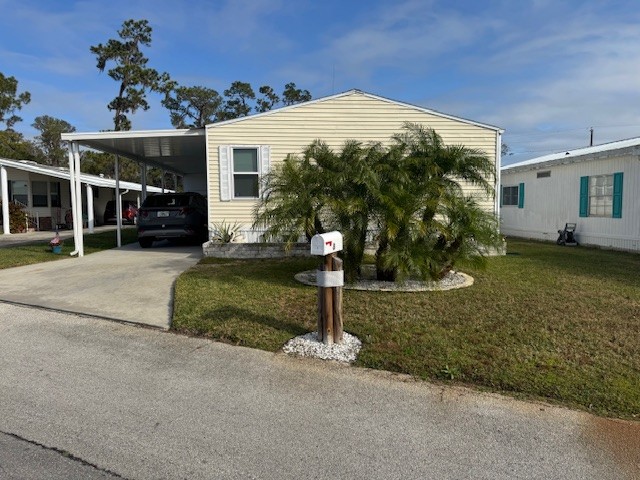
143,180
118,205
90,217
122,194
4,184
80,244
72,187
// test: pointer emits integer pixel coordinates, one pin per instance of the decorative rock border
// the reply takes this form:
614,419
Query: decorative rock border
453,280
254,250
309,346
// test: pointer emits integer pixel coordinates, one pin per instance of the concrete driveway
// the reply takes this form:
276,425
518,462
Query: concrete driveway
128,284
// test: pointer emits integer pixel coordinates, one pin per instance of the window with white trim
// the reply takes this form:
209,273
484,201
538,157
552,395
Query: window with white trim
510,196
241,170
245,172
601,196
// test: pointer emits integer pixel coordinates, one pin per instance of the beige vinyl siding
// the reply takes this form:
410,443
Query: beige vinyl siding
335,120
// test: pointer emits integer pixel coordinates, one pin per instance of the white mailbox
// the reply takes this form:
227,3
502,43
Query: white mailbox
326,243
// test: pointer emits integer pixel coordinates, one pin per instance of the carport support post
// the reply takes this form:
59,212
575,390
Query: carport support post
90,218
76,198
143,180
118,205
4,186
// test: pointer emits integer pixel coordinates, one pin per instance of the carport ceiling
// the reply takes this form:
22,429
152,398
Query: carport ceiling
179,151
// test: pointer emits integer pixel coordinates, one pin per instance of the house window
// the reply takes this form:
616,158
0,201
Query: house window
241,168
19,192
510,196
39,194
601,195
55,194
545,174
245,173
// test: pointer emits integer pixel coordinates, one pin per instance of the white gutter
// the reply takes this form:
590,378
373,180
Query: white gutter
119,234
118,205
72,185
90,218
76,156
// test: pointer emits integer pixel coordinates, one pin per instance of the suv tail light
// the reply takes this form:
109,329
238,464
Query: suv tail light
143,213
186,211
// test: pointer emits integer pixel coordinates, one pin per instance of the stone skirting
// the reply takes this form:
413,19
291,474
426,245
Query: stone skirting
255,250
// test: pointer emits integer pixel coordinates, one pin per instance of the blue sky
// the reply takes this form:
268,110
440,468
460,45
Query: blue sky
544,70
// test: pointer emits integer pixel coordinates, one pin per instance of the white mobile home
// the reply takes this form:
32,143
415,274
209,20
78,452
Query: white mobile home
595,187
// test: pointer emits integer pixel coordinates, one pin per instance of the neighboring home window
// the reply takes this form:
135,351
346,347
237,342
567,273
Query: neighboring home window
19,191
39,194
601,196
55,194
245,173
512,196
241,168
545,174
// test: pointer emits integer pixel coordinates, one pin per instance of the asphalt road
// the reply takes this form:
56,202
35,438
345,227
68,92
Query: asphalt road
129,402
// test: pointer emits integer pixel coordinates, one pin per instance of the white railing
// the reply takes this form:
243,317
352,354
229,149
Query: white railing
31,219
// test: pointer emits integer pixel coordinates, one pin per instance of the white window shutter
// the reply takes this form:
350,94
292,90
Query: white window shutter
265,165
224,155
265,159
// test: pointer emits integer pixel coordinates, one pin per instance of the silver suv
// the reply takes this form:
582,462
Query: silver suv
173,216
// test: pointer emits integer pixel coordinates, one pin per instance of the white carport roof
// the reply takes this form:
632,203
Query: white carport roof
177,151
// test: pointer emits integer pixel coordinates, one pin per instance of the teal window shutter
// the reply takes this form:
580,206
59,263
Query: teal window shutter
617,195
521,196
584,196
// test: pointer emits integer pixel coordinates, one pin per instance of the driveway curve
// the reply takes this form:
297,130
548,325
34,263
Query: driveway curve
128,284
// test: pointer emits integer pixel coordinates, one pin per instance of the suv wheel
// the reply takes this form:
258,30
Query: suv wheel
145,242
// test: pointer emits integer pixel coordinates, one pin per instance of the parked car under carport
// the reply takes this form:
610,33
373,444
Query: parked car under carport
173,216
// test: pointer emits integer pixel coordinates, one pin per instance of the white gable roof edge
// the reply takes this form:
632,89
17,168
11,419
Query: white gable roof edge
63,172
585,154
352,92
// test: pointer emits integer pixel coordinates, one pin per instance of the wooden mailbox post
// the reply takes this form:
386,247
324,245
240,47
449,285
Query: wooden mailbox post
330,279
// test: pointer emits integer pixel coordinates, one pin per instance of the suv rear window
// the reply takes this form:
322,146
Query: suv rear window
167,201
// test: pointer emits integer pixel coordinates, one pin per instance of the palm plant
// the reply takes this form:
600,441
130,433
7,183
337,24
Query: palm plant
410,193
424,221
293,198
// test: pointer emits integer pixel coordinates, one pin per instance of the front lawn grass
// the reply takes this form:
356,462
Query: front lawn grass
549,322
37,252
